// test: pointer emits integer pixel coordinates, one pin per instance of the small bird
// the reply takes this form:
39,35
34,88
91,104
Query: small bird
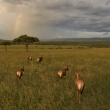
39,59
19,73
79,83
62,73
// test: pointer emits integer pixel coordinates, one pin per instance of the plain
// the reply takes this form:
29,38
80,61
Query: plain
40,88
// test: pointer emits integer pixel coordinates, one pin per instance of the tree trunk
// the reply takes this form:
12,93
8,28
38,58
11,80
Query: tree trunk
27,47
5,48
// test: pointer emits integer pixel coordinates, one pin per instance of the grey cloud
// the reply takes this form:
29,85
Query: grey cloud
15,1
45,15
86,17
84,24
106,33
107,2
102,12
59,6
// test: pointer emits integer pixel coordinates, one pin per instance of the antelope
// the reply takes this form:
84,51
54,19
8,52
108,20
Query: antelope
30,58
39,59
79,83
19,73
62,73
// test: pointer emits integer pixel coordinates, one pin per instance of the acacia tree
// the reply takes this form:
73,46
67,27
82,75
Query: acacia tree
5,43
26,40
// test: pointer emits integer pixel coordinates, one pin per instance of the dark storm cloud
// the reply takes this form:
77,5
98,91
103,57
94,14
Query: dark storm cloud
83,17
56,16
85,24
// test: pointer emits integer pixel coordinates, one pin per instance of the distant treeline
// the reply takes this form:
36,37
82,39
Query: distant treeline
90,44
97,44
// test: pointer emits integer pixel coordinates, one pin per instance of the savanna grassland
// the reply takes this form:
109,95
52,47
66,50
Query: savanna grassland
40,87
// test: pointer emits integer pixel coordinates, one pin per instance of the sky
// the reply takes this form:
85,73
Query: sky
51,19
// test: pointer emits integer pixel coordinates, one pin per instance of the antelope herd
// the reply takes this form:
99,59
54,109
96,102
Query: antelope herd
79,82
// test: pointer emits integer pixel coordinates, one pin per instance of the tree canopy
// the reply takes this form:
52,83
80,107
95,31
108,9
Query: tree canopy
5,43
26,40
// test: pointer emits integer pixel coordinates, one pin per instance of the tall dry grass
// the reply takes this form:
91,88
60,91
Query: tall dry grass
40,88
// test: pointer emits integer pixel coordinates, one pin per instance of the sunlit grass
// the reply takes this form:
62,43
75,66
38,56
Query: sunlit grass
40,88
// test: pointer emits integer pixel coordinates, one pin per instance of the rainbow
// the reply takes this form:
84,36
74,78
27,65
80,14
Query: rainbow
16,24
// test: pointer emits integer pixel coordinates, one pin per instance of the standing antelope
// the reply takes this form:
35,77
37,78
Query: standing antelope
19,73
62,73
39,59
79,83
30,58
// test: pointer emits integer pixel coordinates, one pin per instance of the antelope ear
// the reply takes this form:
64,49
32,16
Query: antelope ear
79,72
76,72
66,67
22,66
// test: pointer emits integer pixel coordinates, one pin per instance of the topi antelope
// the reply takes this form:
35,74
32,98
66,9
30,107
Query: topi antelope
39,59
30,58
62,73
19,73
79,83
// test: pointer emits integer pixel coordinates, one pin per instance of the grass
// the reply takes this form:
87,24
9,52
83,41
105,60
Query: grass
40,88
